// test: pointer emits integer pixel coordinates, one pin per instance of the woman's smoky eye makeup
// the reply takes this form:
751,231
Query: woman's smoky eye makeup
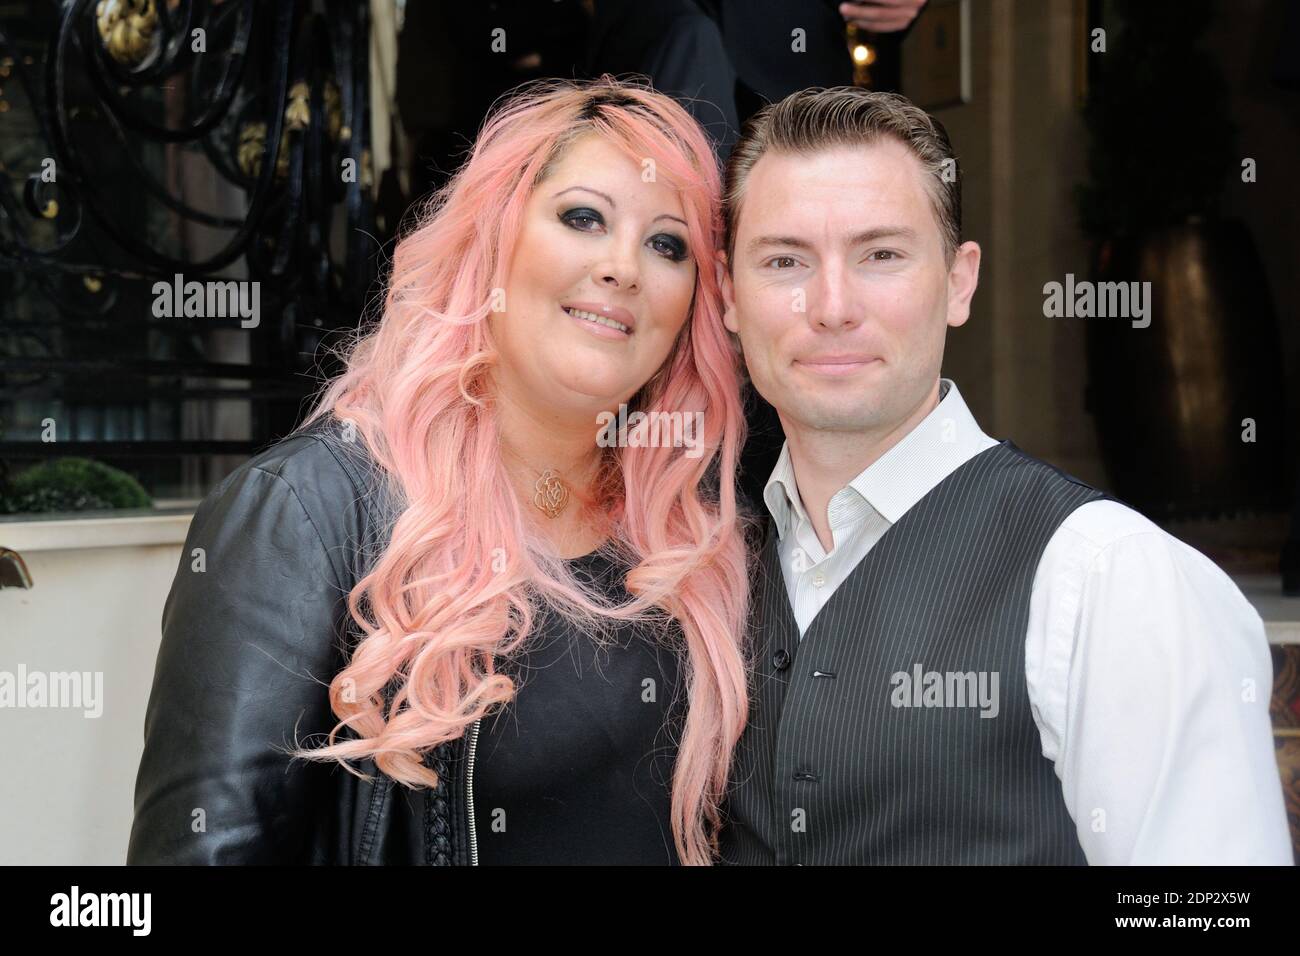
573,216
676,246
669,246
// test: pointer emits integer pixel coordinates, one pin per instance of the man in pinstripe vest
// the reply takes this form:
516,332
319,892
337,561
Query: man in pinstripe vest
960,653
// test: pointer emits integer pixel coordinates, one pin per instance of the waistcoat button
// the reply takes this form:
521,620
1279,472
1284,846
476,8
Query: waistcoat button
781,659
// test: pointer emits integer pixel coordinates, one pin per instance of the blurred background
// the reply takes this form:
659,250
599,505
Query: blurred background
287,143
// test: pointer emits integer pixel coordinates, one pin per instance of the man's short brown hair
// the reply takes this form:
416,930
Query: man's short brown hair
818,118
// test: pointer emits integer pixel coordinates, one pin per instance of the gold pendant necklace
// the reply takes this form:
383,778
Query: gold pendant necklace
550,492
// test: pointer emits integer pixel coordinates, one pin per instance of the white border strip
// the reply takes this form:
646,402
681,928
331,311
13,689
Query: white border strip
71,533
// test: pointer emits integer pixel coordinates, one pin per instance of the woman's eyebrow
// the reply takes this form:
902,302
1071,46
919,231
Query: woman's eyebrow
610,199
605,196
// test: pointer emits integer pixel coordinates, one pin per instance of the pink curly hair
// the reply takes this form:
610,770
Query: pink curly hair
455,585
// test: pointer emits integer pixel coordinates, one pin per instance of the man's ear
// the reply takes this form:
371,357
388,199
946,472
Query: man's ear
963,277
728,291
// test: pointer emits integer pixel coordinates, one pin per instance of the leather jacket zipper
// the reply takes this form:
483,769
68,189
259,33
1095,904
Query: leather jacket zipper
469,793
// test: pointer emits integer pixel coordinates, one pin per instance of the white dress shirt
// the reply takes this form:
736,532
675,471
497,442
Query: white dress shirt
1148,672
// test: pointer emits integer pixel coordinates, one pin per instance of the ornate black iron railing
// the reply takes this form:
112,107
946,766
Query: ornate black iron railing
141,140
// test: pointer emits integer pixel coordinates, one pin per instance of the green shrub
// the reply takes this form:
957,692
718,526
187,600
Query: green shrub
71,484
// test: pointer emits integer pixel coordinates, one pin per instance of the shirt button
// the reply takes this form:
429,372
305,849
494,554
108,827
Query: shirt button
818,580
781,659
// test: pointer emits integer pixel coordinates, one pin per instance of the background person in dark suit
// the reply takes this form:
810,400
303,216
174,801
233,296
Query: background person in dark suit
760,42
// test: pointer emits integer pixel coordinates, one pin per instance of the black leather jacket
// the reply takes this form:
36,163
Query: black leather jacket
254,629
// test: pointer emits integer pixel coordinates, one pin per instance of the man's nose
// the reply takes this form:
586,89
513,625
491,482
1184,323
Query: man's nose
834,302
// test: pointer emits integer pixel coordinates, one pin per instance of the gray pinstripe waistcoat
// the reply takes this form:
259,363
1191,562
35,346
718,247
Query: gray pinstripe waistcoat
899,730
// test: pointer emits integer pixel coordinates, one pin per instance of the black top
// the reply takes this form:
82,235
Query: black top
577,768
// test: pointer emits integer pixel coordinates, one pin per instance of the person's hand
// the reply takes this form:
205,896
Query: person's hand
881,16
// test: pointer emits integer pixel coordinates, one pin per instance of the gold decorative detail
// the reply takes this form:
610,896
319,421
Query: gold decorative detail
92,283
551,494
126,28
252,147
51,209
252,144
367,170
333,110
297,117
297,114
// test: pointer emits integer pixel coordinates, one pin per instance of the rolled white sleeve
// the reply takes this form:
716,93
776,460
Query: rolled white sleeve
1149,677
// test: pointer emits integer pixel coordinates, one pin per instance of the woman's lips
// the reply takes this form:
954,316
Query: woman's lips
598,330
615,313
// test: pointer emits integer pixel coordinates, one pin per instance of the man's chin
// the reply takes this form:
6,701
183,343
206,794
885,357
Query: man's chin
835,418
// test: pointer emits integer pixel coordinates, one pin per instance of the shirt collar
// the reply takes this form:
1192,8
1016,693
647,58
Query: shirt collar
781,494
942,442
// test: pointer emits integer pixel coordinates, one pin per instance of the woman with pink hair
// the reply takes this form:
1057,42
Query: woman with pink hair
526,597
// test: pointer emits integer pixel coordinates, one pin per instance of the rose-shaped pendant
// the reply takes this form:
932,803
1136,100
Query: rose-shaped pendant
551,495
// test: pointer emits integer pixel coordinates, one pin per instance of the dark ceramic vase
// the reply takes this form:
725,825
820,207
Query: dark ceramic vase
1174,402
